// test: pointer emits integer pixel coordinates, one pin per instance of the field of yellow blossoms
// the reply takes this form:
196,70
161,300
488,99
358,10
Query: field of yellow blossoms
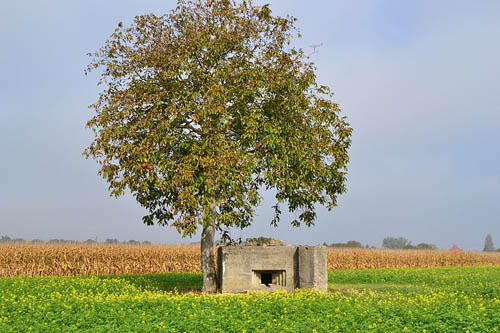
447,299
82,259
156,288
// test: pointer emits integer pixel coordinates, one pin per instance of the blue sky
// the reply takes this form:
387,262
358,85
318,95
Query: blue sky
419,82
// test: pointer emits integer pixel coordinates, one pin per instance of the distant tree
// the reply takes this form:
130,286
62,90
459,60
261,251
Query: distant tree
425,246
5,239
112,241
37,241
61,241
395,243
349,244
488,244
354,244
146,242
421,246
133,242
90,241
204,106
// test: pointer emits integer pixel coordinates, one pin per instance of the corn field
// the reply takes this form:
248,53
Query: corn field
85,259
339,259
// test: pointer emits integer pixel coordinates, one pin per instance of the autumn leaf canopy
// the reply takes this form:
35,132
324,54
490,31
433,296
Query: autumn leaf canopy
203,107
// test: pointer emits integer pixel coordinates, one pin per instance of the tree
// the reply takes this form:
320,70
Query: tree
205,106
111,241
395,243
349,244
488,244
4,239
426,246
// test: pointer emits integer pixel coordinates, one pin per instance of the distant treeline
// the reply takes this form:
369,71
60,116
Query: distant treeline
403,243
350,244
388,243
7,239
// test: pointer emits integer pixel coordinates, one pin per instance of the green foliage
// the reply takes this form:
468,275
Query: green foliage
452,299
171,282
349,244
395,243
488,244
204,106
426,246
421,246
61,241
5,239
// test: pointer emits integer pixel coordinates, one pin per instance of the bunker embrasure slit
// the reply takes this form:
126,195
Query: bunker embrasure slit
268,278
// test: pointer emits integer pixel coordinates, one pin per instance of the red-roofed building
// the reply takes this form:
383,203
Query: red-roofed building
455,248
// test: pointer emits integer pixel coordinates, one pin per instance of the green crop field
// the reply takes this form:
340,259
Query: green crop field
453,299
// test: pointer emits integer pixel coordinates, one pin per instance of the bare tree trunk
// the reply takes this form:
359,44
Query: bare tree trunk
207,259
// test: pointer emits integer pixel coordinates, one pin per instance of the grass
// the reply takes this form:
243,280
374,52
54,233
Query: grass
453,299
170,282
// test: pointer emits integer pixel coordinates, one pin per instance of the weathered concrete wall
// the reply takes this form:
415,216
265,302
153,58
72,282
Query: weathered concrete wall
267,268
312,264
239,267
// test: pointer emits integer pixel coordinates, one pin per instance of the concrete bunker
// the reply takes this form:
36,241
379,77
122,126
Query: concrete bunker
264,264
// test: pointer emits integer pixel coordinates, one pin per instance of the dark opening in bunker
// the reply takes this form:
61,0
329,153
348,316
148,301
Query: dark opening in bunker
270,278
266,278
